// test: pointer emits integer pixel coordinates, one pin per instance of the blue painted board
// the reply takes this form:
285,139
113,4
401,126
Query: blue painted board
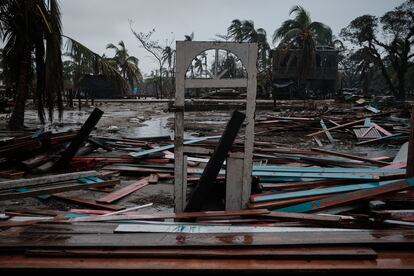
321,191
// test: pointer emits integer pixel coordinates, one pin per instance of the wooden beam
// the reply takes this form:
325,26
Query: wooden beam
79,139
215,163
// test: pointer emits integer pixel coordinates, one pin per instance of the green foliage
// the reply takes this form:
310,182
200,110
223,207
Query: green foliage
387,41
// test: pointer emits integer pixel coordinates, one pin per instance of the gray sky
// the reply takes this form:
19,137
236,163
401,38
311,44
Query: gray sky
96,23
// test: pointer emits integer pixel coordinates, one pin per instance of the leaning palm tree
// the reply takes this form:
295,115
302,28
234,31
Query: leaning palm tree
33,28
302,35
128,65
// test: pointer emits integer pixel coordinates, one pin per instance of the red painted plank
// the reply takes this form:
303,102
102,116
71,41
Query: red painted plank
124,191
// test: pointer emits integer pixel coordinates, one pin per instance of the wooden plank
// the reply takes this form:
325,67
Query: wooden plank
326,170
334,253
204,229
114,196
375,237
305,217
79,139
321,191
317,141
168,147
215,163
328,134
336,127
250,120
88,202
186,215
379,139
281,203
56,189
27,182
234,181
317,175
352,157
349,197
380,129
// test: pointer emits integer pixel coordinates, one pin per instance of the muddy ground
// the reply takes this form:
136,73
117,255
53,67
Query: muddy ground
145,119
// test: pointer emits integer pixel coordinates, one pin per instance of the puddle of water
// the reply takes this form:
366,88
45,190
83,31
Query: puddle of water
156,126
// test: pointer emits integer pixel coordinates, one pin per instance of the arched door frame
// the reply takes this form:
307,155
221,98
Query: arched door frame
186,51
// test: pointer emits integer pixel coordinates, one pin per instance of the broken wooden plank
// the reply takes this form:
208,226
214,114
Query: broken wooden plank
116,195
79,139
215,163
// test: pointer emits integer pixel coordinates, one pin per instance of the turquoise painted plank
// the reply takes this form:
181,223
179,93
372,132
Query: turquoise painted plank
322,191
286,179
90,179
310,205
316,175
168,147
24,189
95,179
37,133
325,170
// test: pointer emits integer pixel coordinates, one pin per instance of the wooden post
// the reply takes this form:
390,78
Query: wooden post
179,132
79,139
234,183
410,154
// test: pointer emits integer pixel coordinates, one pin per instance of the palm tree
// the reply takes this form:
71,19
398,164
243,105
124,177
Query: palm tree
169,57
128,65
33,27
189,37
32,34
244,31
301,34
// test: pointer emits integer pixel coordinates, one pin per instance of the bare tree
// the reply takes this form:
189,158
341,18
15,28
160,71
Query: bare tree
155,49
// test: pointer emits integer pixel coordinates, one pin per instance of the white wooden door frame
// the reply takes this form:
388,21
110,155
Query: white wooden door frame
186,51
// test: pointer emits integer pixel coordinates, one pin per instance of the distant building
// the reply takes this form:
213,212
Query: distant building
321,81
99,87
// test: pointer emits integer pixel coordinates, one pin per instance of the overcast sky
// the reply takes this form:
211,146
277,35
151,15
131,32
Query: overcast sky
96,23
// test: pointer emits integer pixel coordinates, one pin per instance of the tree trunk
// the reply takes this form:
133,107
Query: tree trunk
22,89
161,89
